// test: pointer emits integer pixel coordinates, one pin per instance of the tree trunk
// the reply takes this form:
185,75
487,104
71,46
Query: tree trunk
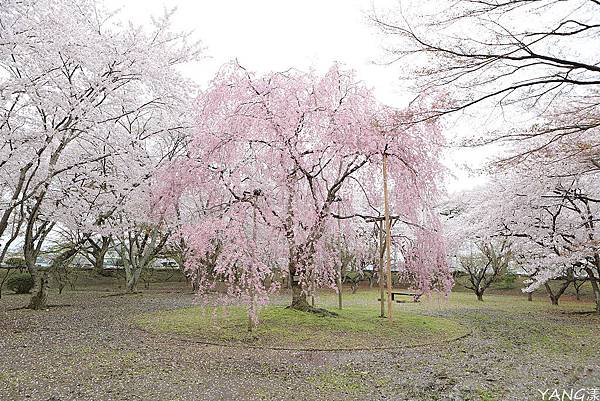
479,296
99,254
299,300
553,298
39,295
595,287
299,297
530,296
596,291
132,277
99,265
252,311
8,270
196,282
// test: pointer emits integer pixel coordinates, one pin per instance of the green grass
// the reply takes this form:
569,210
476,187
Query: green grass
357,326
338,381
517,325
511,320
485,395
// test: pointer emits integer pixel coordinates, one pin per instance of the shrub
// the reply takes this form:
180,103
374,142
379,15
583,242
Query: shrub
15,262
353,277
508,281
20,283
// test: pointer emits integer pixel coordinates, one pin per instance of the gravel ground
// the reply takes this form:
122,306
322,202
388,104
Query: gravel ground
87,348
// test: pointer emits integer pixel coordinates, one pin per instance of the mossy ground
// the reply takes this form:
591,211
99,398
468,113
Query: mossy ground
355,327
358,326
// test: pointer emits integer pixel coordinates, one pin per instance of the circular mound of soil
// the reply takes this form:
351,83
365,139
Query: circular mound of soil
356,328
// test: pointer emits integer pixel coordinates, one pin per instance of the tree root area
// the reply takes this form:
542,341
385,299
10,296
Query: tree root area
311,309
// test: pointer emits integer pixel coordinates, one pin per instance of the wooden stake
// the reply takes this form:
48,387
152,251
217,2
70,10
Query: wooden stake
388,239
380,254
339,278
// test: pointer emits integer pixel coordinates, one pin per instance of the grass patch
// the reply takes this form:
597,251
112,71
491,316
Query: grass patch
338,381
485,395
515,324
521,326
357,326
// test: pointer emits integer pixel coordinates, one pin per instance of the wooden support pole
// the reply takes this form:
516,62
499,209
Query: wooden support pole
380,274
388,240
341,261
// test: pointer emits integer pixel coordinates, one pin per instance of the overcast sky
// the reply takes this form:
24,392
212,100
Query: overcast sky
274,35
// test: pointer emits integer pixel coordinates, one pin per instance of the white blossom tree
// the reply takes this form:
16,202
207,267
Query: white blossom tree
79,93
549,213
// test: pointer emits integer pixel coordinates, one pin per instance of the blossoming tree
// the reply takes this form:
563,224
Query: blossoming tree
77,90
548,212
275,157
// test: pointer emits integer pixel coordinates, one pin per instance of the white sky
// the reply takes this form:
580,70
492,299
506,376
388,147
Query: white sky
274,35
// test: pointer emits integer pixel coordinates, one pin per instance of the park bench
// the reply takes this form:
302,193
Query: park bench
415,296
